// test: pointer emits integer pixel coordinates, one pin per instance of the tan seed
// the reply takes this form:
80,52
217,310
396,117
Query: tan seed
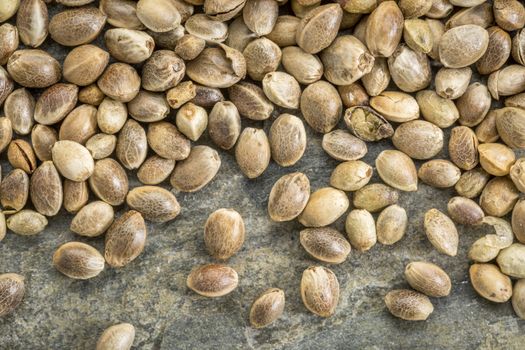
511,260
224,233
288,197
46,189
287,140
224,124
397,169
321,106
367,124
196,171
27,222
93,219
252,152
78,260
360,228
324,206
441,232
155,170
132,144
418,139
351,175
76,195
14,190
267,308
408,305
391,224
465,211
155,203
499,196
55,103
490,283
428,279
212,280
73,160
325,244
343,146
374,197
84,64
320,290
125,239
20,155
109,181
117,337
439,173
518,298
12,290
19,107
76,26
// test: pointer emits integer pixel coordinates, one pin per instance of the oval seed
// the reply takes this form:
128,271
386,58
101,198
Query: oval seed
55,103
428,279
117,337
463,147
511,260
224,124
462,46
128,45
192,120
120,82
325,244
518,221
343,146
472,182
441,232
101,145
320,290
79,125
27,222
397,169
488,247
33,68
287,140
73,160
125,239
84,64
155,170
76,195
465,211
132,144
288,197
154,203
109,181
375,197
6,132
19,107
361,229
212,280
499,197
518,298
439,173
252,152
93,219
224,233
12,290
148,107
408,305
196,171
321,106
324,207
436,109
14,190
46,189
20,155
351,175
490,283
496,158
166,140
267,308
78,260
395,106
250,101
32,22
418,139
318,28
162,71
391,224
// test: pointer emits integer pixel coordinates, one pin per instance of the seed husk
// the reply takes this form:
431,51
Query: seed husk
212,280
409,69
436,109
78,260
192,120
33,68
93,219
463,45
224,233
221,10
351,175
439,173
463,147
109,181
21,156
498,197
19,108
320,290
496,158
465,211
397,170
396,106
224,124
155,170
132,144
32,22
304,67
14,190
511,260
325,244
250,101
408,305
318,28
46,189
391,224
490,283
252,152
324,206
155,203
79,125
196,171
288,197
367,124
428,279
117,337
343,146
267,308
125,239
321,106
27,222
12,290
287,140
384,29
180,94
518,298
374,197
77,26
488,247
240,35
510,122
441,232
76,195
159,15
360,229
452,83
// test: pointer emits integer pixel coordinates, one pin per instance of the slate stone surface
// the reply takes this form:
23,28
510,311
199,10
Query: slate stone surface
151,293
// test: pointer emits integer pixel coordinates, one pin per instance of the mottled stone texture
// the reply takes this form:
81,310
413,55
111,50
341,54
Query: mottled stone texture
61,313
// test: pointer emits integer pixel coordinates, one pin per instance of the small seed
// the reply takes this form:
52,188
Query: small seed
14,190
78,260
79,125
212,280
511,260
125,239
240,35
155,170
196,171
472,182
408,305
206,28
351,175
207,97
498,197
343,146
496,158
324,207
439,173
117,337
284,31
20,155
428,279
441,232
93,219
465,211
354,94
109,181
436,109
250,101
120,81
487,131
320,290
132,144
474,104
288,197
267,308
397,169
154,203
111,116
419,139
192,120
518,298
375,197
76,195
180,94
391,224
46,189
121,13
417,35
490,283
325,244
224,233
148,107
19,107
12,290
377,80
488,247
361,229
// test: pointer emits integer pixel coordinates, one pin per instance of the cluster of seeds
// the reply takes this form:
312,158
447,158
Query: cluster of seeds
73,130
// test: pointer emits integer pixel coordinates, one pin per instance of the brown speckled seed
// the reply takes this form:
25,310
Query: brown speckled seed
12,290
125,239
154,203
78,260
267,308
224,233
212,280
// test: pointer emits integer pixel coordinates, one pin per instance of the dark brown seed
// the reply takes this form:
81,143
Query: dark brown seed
465,211
12,290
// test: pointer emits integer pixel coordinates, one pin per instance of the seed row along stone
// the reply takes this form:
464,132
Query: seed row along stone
332,64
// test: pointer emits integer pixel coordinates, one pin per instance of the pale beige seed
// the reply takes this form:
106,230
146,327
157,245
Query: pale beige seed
518,298
73,160
439,173
325,244
43,138
19,107
192,120
487,131
46,189
395,106
78,260
441,232
240,35
490,283
351,175
204,27
262,56
419,139
132,145
288,197
287,139
195,172
436,109
223,10
76,195
320,290
125,239
409,69
511,260
428,279
252,152
324,206
408,305
518,221
343,146
8,9
496,158
510,122
93,219
189,47
155,170
129,45
376,81
155,203
391,224
488,247
224,233
303,66
101,145
465,211
27,222
267,308
32,22
499,196
384,29
417,34
158,15
260,16
111,116
462,46
282,89
109,181
374,197
117,337
284,31
397,169
360,229
452,82
91,95
472,182
212,280
12,290
121,13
